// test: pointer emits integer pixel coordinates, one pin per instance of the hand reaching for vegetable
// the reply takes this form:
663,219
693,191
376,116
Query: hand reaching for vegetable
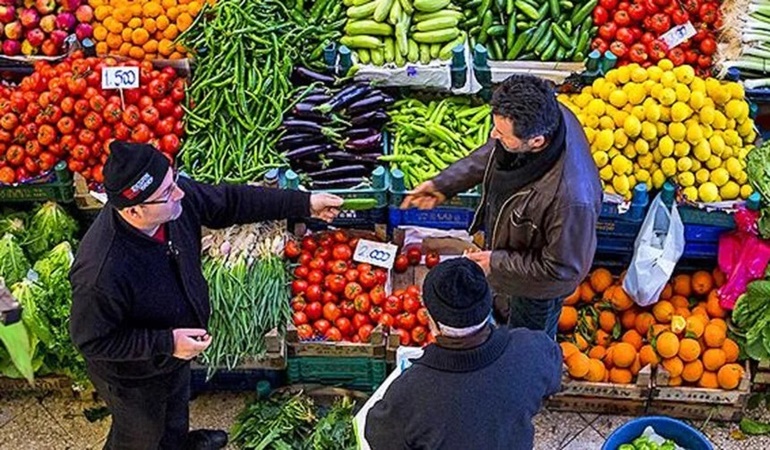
190,342
424,196
325,206
481,258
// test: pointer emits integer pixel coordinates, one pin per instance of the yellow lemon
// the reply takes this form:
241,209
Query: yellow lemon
638,112
630,152
733,167
697,100
677,131
680,112
654,73
638,75
606,123
716,161
702,176
746,128
642,147
696,165
698,85
649,131
684,164
632,126
604,140
621,185
732,137
667,96
606,173
652,112
694,134
658,178
717,144
636,93
600,159
592,121
681,149
611,76
596,107
730,191
708,192
735,109
746,191
666,146
682,92
690,193
707,115
720,121
684,74
686,179
621,165
702,151
599,83
668,79
720,176
618,98
621,140
662,128
645,161
668,166
582,100
624,74
619,118
607,90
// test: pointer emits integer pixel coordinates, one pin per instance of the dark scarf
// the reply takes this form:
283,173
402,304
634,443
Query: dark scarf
510,172
467,342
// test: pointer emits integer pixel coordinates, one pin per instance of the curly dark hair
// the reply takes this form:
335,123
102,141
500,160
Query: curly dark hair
530,102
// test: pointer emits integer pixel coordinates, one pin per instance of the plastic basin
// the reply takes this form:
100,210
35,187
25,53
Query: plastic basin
676,430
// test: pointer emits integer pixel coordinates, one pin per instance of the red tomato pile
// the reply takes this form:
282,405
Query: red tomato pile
412,257
61,112
631,30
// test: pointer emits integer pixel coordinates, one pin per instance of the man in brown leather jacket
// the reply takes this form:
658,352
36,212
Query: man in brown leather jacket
540,203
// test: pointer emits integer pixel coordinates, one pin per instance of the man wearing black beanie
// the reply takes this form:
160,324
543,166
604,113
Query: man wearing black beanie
477,387
140,304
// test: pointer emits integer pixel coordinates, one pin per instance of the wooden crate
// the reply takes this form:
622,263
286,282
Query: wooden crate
374,349
43,385
274,359
83,198
603,398
762,374
687,402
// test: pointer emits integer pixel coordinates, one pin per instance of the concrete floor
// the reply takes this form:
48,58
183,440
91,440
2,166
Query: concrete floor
56,422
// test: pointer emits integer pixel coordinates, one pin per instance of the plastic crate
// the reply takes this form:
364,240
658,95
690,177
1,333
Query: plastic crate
238,380
364,374
692,215
56,186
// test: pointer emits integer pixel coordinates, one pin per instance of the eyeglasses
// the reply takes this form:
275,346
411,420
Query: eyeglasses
166,197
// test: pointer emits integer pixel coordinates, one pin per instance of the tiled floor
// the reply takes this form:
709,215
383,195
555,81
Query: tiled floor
57,422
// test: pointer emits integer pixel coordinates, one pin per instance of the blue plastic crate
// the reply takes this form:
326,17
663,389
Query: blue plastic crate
443,218
703,233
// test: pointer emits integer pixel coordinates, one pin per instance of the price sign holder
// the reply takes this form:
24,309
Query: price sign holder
120,77
678,34
375,253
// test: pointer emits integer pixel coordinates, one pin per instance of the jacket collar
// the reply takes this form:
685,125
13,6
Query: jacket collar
447,360
127,231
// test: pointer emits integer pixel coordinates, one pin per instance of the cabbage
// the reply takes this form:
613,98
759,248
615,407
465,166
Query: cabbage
49,226
13,264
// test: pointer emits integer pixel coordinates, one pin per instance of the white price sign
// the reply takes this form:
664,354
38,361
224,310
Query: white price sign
120,77
375,253
678,34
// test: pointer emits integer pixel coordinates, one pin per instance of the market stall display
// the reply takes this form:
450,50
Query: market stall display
40,28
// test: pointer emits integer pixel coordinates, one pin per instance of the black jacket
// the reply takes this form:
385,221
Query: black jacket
130,291
482,398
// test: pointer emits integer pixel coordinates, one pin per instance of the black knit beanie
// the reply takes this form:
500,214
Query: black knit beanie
132,173
457,294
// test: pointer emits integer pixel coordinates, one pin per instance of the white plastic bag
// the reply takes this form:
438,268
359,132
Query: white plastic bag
658,247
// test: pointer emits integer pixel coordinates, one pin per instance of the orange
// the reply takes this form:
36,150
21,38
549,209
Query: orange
674,366
623,355
607,321
102,48
578,365
608,357
634,338
668,291
656,330
663,310
714,358
636,366
581,342
731,350
647,356
567,319
683,285
620,299
643,322
600,280
568,349
695,326
720,323
692,371
682,312
700,310
675,381
136,52
126,34
708,380
702,282
621,376
602,338
125,49
597,352
729,376
713,308
596,370
574,298
667,344
140,36
680,302
689,350
719,277
714,335
628,319
587,294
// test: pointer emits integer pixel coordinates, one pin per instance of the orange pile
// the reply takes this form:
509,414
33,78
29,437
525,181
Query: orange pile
606,337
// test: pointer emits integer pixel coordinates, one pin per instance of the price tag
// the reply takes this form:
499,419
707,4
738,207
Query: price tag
375,253
411,71
120,77
678,34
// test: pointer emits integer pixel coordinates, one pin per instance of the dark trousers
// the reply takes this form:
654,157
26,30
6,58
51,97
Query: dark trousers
151,416
534,314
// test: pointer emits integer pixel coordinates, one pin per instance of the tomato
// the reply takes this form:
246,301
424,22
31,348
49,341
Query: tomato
112,113
75,165
298,303
298,286
393,305
305,258
600,16
404,337
335,283
104,133
619,49
165,126
623,6
423,317
363,267
382,276
345,326
315,276
608,5
660,23
377,295
401,264
600,45
339,267
351,275
177,94
323,253
314,310
647,38
141,133
131,116
676,55
414,255
329,297
299,318
309,244
333,335
680,17
708,46
7,176
410,304
15,155
360,319
170,144
331,312
291,251
362,303
608,31
47,161
375,314
9,121
31,165
313,293
621,18
322,326
419,334
352,290
5,136
305,332
348,308
22,174
77,86
177,113
704,61
708,12
657,50
122,132
68,143
317,264
636,12
81,153
406,320
625,36
387,319
365,333
638,53
367,279
86,137
432,259
150,115
165,107
691,6
340,236
342,251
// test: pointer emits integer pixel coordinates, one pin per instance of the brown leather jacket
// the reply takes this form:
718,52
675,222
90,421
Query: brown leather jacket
544,237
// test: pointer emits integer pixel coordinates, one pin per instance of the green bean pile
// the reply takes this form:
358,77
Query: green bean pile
241,86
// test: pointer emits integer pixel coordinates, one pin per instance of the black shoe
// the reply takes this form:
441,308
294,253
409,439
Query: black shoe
206,440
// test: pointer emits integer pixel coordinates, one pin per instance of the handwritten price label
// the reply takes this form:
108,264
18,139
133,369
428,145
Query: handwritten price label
678,34
375,253
120,77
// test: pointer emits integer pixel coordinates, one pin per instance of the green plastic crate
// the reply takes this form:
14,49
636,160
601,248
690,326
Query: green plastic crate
57,186
365,374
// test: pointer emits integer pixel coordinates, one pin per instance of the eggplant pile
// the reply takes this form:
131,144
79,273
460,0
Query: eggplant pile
332,136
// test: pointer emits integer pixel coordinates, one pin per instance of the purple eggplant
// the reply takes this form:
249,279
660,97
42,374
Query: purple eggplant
306,126
370,103
307,165
314,150
340,183
376,118
367,143
346,171
345,97
359,133
307,111
292,141
306,75
362,158
316,98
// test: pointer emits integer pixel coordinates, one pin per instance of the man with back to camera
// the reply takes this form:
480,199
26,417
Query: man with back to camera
140,303
540,203
477,387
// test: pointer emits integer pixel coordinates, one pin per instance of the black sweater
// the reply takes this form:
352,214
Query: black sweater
482,398
130,291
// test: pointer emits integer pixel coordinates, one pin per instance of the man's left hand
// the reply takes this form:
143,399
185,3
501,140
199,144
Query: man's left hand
482,259
325,206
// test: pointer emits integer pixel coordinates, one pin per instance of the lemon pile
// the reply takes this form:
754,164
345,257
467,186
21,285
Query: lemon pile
659,123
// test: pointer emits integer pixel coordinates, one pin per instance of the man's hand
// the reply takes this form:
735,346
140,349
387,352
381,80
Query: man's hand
325,206
190,342
424,196
482,259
